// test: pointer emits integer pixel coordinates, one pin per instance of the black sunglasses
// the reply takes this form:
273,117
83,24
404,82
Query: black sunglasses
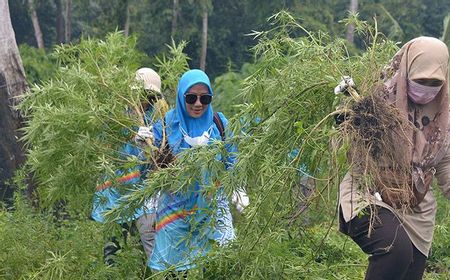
191,98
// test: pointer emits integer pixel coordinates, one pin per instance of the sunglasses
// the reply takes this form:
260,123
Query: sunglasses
191,98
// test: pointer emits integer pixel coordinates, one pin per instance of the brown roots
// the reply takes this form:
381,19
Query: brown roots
380,149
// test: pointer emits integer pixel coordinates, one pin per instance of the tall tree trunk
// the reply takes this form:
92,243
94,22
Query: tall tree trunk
175,12
36,26
12,84
68,20
60,33
126,28
351,27
204,40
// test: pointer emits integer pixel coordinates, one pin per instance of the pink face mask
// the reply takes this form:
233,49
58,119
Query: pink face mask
421,94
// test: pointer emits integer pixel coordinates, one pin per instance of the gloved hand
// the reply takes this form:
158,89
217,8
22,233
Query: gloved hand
240,199
343,85
144,134
152,202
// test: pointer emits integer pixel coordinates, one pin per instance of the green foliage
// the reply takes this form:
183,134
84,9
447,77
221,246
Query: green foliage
227,90
297,254
439,260
228,23
76,121
37,246
322,15
98,18
171,67
38,65
404,23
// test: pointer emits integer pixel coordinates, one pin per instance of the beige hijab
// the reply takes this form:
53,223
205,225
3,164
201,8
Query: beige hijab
421,58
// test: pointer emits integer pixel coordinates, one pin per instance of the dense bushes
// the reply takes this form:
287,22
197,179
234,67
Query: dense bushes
36,245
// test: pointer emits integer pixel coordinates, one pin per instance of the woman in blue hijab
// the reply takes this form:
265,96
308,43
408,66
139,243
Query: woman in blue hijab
183,220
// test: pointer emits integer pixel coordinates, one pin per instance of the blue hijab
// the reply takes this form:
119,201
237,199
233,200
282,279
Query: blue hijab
179,116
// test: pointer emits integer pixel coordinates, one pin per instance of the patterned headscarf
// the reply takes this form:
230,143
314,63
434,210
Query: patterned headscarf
421,58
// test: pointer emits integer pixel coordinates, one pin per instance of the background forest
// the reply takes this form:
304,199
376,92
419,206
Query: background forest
228,23
273,74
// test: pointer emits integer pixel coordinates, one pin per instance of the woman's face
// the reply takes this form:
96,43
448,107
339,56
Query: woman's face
150,98
423,91
197,109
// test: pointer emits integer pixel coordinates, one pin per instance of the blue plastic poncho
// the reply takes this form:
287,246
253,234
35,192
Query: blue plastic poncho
107,197
183,219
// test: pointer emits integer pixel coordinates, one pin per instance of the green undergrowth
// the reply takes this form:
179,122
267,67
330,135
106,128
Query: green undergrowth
40,246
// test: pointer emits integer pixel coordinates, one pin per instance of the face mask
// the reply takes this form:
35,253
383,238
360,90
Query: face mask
421,94
196,141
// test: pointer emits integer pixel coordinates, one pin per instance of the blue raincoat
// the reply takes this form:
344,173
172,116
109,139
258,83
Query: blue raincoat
108,197
184,223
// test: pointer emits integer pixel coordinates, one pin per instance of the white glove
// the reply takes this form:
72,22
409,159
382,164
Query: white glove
143,134
240,199
378,196
346,82
152,202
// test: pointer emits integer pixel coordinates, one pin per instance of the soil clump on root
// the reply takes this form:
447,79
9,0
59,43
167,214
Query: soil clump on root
380,148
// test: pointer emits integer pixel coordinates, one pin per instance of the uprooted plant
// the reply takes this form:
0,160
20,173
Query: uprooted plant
377,135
